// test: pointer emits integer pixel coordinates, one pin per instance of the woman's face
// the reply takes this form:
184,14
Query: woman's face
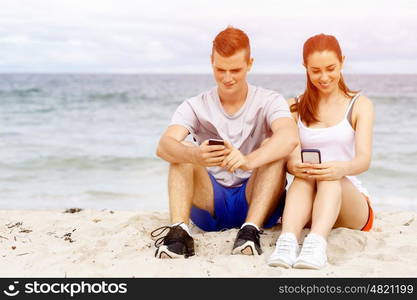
324,69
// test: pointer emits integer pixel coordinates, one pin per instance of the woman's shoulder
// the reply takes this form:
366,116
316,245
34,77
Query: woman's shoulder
291,101
363,101
294,100
363,106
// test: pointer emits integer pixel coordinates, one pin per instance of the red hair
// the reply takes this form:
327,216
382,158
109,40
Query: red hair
230,41
308,106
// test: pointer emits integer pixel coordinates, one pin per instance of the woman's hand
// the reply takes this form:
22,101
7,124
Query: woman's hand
333,170
299,169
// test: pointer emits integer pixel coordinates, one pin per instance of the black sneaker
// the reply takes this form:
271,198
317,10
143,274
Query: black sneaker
177,243
247,241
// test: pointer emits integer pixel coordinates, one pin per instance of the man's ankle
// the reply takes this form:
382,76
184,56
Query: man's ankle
250,223
183,226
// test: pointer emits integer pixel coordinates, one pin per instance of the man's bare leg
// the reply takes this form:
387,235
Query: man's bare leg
188,184
262,192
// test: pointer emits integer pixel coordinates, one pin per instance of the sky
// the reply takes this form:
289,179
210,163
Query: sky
126,36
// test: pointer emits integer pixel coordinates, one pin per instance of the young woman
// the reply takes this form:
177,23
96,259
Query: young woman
339,123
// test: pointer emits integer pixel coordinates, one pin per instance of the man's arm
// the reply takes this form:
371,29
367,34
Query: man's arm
171,149
282,142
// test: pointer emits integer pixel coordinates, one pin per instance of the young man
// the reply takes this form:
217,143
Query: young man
238,184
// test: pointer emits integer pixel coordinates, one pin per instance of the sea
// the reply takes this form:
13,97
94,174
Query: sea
89,140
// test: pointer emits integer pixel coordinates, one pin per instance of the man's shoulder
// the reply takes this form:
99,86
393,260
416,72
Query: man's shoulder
266,94
200,98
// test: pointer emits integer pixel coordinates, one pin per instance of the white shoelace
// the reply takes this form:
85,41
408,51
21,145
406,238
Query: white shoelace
284,245
311,245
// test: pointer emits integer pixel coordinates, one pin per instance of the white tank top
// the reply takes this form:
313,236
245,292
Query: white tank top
336,143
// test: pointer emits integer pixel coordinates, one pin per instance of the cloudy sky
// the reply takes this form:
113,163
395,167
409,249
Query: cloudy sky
128,36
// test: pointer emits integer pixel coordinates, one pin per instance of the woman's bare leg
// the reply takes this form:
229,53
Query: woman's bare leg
298,206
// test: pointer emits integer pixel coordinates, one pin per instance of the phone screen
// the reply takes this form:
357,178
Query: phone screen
311,156
216,142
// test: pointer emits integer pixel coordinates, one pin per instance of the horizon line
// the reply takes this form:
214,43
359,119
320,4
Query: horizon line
178,73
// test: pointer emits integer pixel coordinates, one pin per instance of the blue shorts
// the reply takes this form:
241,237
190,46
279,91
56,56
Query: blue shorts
230,209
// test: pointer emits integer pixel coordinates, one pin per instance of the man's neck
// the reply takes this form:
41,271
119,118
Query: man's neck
237,98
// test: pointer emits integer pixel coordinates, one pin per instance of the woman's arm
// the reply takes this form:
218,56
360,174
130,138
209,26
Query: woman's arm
363,120
364,112
294,165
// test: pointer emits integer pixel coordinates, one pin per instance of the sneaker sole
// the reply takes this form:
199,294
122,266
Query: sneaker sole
247,248
279,263
163,252
306,265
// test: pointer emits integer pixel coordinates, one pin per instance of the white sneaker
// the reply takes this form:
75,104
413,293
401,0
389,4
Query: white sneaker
313,253
285,252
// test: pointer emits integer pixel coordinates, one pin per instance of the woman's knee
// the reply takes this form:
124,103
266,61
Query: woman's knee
329,186
304,182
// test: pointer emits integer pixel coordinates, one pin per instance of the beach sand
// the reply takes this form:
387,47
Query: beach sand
106,243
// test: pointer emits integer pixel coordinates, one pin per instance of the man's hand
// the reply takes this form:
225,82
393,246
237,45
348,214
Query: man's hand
235,159
209,155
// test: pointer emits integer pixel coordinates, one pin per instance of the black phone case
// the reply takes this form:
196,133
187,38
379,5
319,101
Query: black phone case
216,142
310,150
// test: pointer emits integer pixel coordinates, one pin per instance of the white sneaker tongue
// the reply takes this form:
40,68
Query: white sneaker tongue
317,237
249,223
183,226
288,235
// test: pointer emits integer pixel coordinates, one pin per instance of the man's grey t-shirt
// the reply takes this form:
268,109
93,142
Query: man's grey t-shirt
205,118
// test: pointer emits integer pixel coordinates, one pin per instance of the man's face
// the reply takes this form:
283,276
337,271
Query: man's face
230,72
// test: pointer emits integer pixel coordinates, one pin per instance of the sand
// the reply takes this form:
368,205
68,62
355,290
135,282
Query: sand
106,243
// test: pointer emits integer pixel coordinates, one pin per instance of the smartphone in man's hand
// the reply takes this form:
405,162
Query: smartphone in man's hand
216,142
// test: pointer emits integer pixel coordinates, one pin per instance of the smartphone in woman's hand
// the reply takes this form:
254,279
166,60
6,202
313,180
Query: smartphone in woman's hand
311,156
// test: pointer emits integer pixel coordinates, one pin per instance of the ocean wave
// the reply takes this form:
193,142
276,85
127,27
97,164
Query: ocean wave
10,134
124,96
110,96
111,195
83,163
391,171
21,92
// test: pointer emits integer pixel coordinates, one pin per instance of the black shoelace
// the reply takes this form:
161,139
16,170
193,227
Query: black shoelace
249,234
159,231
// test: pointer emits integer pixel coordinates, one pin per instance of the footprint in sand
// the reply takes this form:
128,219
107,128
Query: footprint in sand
344,245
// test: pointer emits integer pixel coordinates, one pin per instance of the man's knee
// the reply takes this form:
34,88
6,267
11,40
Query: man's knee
279,164
265,141
189,144
181,167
